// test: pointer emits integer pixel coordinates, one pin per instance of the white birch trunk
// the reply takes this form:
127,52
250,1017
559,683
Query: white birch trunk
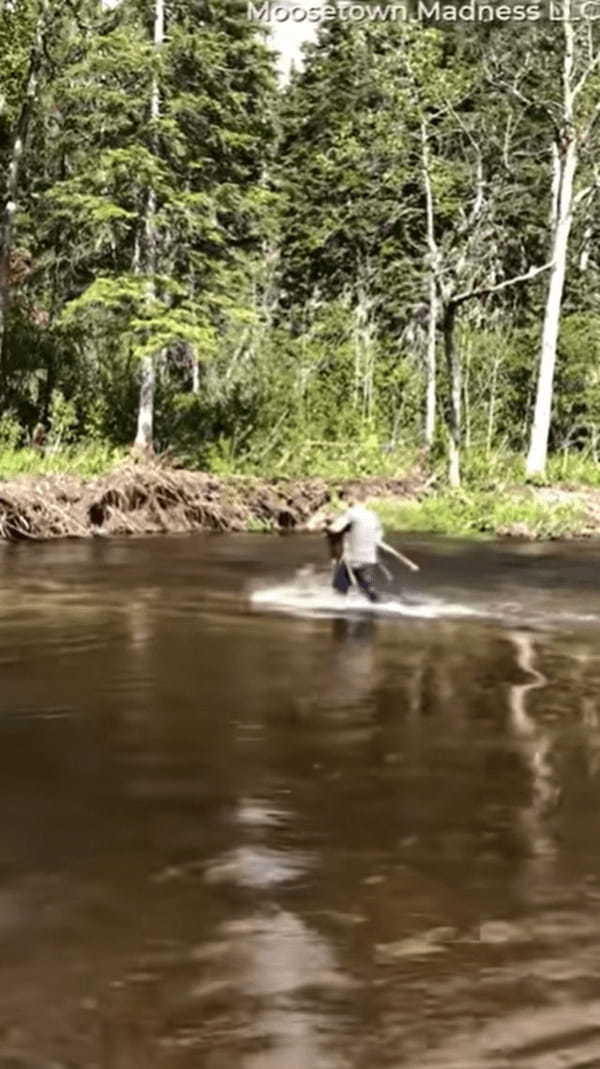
555,192
357,355
364,354
145,423
538,445
538,448
430,365
453,463
492,406
430,358
455,414
466,396
195,374
586,249
144,438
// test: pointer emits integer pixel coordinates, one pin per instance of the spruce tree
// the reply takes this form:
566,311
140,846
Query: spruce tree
155,201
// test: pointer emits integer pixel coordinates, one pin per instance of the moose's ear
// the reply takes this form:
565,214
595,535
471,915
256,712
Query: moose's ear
319,520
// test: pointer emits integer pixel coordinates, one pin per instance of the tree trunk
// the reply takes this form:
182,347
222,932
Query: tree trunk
195,373
145,425
563,214
586,248
466,397
364,357
430,364
430,360
454,408
11,189
144,438
492,406
538,446
555,191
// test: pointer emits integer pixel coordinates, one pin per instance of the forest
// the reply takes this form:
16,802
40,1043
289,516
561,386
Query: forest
391,255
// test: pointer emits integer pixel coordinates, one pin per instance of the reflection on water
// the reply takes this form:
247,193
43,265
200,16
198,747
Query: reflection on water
534,744
233,838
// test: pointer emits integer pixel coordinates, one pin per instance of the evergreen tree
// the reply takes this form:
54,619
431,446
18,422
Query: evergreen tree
160,255
152,201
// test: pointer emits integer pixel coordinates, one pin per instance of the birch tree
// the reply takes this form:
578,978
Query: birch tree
431,354
451,307
460,214
577,118
415,183
145,422
462,143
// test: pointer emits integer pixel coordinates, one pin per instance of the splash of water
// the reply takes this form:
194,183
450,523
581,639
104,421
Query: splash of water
311,596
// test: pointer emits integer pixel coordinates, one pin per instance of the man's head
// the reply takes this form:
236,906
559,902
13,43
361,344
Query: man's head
354,495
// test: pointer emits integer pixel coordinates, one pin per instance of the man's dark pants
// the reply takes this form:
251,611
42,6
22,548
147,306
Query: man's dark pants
363,574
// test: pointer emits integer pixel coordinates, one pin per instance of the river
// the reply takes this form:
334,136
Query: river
241,838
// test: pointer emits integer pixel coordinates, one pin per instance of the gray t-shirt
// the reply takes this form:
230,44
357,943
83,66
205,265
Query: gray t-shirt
363,536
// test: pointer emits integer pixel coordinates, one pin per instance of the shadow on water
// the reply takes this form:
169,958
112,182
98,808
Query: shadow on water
240,838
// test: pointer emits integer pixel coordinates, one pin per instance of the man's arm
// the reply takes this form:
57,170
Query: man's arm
340,524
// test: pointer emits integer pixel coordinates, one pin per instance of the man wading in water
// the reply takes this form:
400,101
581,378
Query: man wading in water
356,556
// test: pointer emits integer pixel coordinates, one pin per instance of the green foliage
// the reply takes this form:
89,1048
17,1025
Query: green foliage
85,460
258,526
11,431
62,419
499,469
483,513
339,459
574,469
577,407
270,245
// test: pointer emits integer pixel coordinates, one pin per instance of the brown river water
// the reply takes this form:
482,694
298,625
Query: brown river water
260,835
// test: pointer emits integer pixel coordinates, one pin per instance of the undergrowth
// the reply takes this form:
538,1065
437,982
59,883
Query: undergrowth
83,460
482,513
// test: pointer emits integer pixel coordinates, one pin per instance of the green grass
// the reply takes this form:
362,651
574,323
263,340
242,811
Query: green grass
352,458
83,460
482,514
503,468
256,525
573,470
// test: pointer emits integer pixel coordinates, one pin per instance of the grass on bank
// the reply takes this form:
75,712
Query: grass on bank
355,459
483,513
83,460
494,497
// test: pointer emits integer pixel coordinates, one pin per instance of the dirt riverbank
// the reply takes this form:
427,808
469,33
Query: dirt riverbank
150,498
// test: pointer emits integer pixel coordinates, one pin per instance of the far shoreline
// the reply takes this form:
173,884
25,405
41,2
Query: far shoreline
143,497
